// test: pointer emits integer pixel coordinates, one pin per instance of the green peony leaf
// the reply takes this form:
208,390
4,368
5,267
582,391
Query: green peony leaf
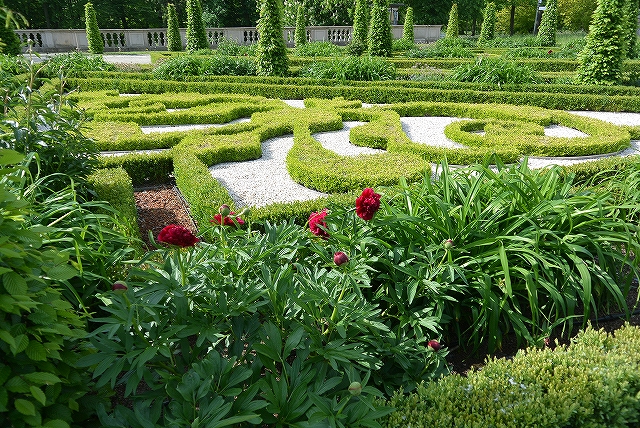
56,423
62,272
14,284
25,407
10,157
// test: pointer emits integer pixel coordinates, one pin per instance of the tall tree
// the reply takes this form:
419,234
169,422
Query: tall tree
488,23
301,27
380,38
407,29
96,43
548,25
453,25
600,62
271,53
174,41
196,34
631,12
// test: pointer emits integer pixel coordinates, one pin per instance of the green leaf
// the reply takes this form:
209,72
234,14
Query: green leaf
36,351
14,284
10,157
38,394
42,378
62,272
5,336
25,407
56,423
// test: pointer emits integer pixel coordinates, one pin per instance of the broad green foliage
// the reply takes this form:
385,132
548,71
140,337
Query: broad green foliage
380,39
74,64
494,70
549,24
351,68
453,26
301,27
592,382
174,41
488,23
407,29
358,44
271,53
196,34
185,66
602,57
96,43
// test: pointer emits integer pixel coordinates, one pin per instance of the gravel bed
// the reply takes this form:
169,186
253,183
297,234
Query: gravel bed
174,128
338,141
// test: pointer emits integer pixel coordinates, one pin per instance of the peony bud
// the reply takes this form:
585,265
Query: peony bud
340,258
435,345
224,210
119,287
355,388
245,212
448,244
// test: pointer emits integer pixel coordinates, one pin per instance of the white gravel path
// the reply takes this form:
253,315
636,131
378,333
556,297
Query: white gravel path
338,141
173,128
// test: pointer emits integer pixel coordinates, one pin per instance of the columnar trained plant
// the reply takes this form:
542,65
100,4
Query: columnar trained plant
488,23
96,43
453,26
631,12
271,53
600,62
9,41
301,27
358,43
174,41
407,30
549,24
380,38
196,34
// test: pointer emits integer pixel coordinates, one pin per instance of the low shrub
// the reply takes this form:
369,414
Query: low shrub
496,71
75,64
443,48
592,382
230,47
402,44
511,42
351,68
178,67
318,49
218,65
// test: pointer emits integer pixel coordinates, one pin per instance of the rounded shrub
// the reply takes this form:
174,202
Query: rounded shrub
351,68
178,68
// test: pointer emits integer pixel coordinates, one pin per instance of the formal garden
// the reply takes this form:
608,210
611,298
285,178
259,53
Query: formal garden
339,310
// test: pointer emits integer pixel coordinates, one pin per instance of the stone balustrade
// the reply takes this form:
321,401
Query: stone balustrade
119,40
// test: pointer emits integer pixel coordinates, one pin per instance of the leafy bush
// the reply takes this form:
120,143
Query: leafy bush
217,65
318,49
487,32
351,68
453,25
178,67
196,33
402,44
271,53
231,47
549,24
407,28
497,71
301,27
358,44
592,382
40,331
380,39
174,40
443,48
75,64
511,42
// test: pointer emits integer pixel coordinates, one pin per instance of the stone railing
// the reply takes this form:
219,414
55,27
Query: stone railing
116,40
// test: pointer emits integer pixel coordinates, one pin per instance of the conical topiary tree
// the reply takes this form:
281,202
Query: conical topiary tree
407,29
488,23
271,53
300,36
9,41
174,41
96,43
358,43
548,24
600,62
380,38
453,26
196,34
631,12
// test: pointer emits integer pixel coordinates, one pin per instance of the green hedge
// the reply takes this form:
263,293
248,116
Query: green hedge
114,185
373,93
143,168
594,382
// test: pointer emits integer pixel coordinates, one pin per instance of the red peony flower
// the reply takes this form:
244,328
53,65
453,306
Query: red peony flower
340,258
177,235
435,345
316,220
228,221
367,204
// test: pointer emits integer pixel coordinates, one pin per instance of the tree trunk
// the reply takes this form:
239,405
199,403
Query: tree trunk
512,18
